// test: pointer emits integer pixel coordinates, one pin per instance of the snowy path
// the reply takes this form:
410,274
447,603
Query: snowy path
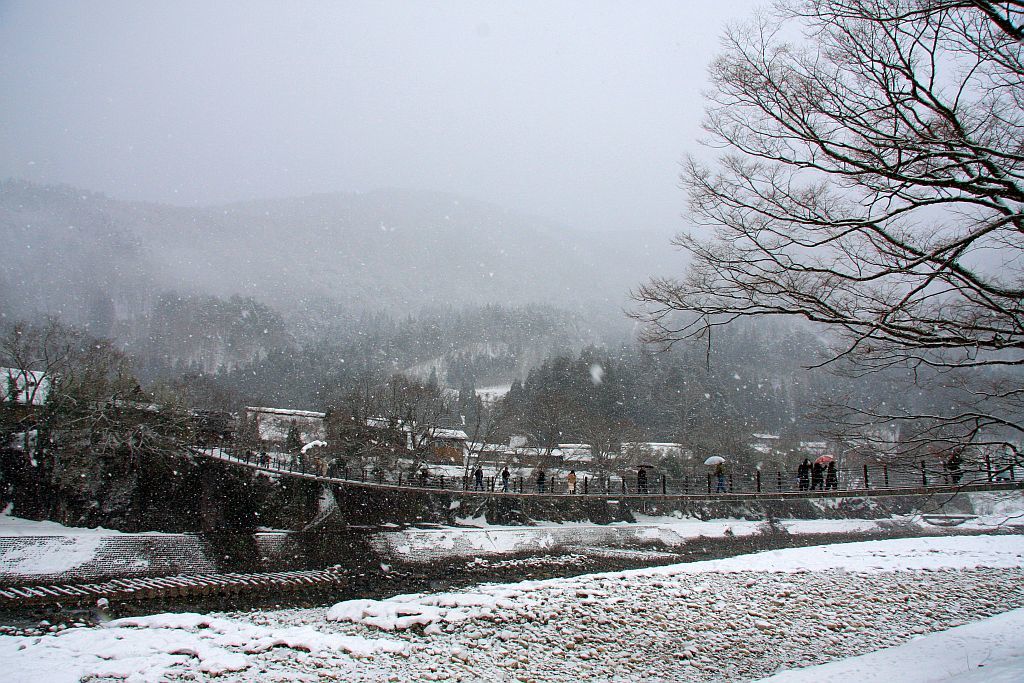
742,618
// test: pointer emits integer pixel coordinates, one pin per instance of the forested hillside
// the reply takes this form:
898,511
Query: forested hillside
306,302
92,259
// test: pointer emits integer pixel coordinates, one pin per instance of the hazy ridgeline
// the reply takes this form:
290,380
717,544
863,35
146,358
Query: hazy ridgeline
294,302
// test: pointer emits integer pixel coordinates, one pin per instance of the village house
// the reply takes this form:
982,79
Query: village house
653,452
447,446
273,424
575,455
765,444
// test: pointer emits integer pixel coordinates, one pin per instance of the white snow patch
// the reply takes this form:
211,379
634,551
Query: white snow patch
990,650
619,625
17,526
161,646
49,555
316,443
405,611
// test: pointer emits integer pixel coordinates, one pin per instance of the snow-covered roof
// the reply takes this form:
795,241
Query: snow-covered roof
659,448
313,444
772,437
453,434
285,411
492,394
274,423
479,447
528,450
577,456
385,423
576,452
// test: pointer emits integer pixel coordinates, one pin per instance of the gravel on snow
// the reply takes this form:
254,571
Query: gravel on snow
738,619
688,627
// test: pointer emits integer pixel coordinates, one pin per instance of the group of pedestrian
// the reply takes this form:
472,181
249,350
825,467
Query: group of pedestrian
541,480
570,481
818,475
478,479
542,484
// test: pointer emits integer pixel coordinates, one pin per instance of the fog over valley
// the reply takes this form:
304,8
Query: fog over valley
394,251
167,173
283,206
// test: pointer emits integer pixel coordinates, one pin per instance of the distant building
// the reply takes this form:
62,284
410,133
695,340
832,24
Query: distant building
655,451
530,456
447,446
491,395
493,454
766,444
814,448
272,424
576,454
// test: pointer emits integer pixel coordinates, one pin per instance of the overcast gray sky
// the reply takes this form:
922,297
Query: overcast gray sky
580,111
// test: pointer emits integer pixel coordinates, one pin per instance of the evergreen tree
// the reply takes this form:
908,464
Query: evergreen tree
293,442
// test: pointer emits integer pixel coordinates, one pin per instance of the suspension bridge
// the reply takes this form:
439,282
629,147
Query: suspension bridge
866,481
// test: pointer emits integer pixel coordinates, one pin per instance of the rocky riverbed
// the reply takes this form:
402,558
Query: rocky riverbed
739,618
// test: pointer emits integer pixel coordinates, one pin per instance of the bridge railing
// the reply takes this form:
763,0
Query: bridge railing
733,480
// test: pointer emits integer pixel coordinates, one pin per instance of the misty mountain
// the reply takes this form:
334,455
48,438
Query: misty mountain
89,257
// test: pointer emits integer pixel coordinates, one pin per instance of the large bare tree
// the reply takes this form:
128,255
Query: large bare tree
869,177
378,423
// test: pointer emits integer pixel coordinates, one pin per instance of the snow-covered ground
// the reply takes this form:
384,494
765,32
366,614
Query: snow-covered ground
476,538
991,650
479,539
741,618
16,526
49,552
60,548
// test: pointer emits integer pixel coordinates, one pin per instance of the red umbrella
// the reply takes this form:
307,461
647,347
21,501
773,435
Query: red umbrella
824,460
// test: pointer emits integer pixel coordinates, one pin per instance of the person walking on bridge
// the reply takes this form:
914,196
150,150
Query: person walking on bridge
803,474
504,479
817,476
831,476
953,464
540,481
478,479
571,481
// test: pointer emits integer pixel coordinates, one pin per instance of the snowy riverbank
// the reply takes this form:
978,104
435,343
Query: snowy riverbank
475,538
738,619
43,551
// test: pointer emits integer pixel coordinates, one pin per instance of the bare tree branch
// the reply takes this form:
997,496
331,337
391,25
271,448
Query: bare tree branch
871,179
